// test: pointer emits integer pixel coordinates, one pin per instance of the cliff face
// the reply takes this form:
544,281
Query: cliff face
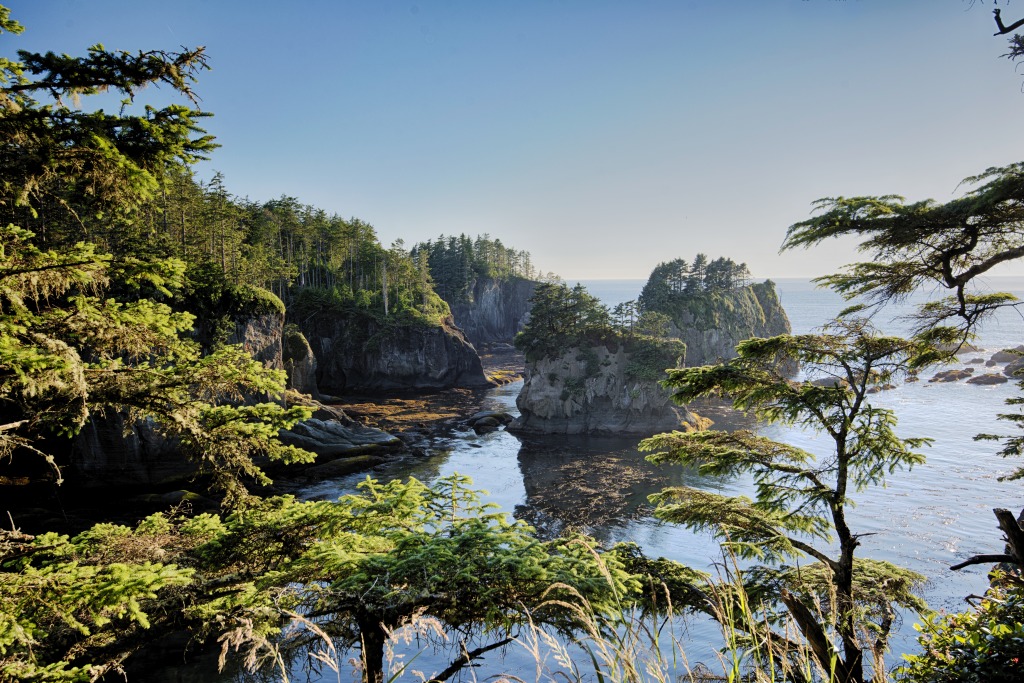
299,362
497,311
713,324
109,453
600,390
357,353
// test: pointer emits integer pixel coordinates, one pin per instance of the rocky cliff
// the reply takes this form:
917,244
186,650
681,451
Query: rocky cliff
299,362
496,310
605,389
359,353
109,453
713,323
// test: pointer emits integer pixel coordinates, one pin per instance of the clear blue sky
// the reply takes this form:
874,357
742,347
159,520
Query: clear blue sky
603,137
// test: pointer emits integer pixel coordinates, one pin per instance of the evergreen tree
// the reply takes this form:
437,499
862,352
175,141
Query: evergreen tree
560,318
843,605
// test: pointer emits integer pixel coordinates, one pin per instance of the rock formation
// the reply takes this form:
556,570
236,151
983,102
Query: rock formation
601,390
713,323
299,362
357,353
496,311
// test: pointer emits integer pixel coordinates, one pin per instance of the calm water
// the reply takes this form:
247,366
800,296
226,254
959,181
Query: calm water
926,520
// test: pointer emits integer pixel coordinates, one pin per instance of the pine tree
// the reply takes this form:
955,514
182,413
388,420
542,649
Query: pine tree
843,605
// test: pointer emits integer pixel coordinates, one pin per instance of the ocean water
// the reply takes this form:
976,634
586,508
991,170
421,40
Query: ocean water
927,519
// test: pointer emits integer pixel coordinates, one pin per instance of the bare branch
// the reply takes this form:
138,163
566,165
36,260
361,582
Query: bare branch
1003,30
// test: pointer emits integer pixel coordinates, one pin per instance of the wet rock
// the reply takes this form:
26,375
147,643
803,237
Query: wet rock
342,467
486,425
952,375
499,416
989,379
332,439
1008,355
959,349
1012,368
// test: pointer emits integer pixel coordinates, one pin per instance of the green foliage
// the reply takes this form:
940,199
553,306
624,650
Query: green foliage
925,243
455,263
650,357
67,353
562,318
982,645
71,609
674,283
800,499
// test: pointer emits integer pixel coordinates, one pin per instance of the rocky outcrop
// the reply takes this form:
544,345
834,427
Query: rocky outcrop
110,453
988,379
954,375
600,390
358,353
1008,355
496,310
260,335
331,439
713,323
299,362
107,455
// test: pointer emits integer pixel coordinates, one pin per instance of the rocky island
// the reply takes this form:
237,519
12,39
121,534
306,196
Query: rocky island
591,371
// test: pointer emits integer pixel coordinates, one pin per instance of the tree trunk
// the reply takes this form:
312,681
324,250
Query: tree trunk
373,637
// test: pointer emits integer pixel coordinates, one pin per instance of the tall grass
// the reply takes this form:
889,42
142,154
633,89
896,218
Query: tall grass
629,644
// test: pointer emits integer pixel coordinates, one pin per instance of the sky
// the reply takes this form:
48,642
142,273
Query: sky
602,137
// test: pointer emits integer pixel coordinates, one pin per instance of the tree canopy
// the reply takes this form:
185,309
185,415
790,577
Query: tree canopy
455,263
913,245
560,318
673,283
843,605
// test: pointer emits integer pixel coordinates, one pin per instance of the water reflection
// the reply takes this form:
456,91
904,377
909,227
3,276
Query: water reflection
592,484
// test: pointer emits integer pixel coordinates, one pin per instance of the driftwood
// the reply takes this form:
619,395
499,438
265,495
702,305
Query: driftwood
1014,533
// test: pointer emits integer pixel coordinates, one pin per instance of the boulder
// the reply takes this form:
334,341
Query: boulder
488,421
989,379
952,375
1014,367
1008,355
332,439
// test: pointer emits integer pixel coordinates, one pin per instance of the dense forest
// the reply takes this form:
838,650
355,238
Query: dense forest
280,245
676,281
455,263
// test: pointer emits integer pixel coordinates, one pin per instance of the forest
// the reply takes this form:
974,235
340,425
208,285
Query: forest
112,251
455,263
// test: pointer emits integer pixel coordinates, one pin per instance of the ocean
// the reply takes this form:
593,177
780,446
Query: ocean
927,519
